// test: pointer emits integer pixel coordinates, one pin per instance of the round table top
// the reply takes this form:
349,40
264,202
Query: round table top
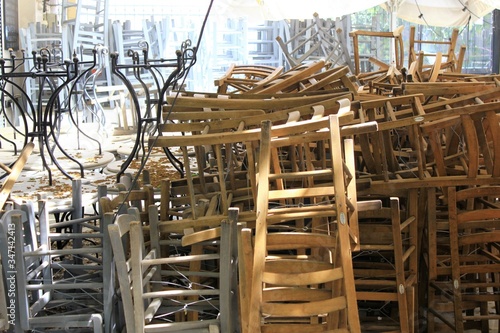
32,184
8,157
159,168
90,160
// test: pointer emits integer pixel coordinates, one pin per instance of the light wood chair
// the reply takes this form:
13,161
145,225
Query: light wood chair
437,256
218,161
446,48
140,197
287,81
464,145
241,78
386,267
474,243
333,79
278,294
396,37
269,102
119,237
438,91
394,150
12,173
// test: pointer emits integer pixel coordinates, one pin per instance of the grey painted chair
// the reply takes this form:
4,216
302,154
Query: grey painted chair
60,278
164,296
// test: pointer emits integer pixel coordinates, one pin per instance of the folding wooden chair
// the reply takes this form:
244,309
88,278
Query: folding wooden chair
279,295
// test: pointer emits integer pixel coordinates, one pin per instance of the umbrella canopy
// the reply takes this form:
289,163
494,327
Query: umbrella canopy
426,12
442,13
275,10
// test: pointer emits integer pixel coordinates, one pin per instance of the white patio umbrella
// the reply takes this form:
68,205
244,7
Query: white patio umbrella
441,13
425,12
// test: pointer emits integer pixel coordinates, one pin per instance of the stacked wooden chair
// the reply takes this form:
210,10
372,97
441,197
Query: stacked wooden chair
425,62
396,150
437,91
297,271
395,37
287,81
241,78
168,292
386,267
463,290
123,197
60,279
464,142
316,39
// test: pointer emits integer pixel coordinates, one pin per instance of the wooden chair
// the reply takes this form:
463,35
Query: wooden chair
153,299
438,91
268,103
474,244
119,236
386,269
139,197
464,145
395,36
73,297
284,200
317,39
392,151
241,78
287,81
484,176
437,257
484,96
218,162
446,49
333,79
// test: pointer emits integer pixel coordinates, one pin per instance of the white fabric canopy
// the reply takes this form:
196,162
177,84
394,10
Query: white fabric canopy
444,13
425,12
275,10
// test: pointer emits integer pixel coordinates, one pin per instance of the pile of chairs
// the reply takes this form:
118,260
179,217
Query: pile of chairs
302,204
